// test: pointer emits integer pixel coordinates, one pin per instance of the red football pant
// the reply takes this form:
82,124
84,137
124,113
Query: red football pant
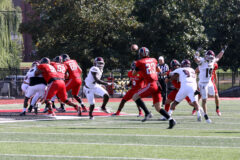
74,85
58,88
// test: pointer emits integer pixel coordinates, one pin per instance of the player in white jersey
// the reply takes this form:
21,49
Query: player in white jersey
36,90
92,86
29,74
205,66
187,77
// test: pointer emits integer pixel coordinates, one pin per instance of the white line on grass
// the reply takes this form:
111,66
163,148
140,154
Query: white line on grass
122,135
118,144
86,157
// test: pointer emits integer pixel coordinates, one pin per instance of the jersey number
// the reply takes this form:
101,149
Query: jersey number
52,69
61,69
209,72
151,68
187,73
73,66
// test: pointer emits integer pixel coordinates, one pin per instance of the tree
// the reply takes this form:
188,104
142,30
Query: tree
222,27
10,39
84,29
173,29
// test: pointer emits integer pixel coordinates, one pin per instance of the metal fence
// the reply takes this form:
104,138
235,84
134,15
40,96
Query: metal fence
11,81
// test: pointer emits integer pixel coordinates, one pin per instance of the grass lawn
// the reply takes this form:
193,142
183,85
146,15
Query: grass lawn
126,137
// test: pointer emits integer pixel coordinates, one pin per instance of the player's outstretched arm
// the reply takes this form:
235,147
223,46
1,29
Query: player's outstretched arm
98,80
196,56
219,56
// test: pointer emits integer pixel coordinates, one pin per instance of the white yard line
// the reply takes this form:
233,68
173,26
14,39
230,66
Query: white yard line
121,135
86,157
118,144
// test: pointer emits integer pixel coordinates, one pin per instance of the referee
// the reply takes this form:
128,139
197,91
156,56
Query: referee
161,78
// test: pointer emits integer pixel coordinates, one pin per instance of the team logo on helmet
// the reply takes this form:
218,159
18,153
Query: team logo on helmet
209,55
143,52
174,63
65,57
99,62
58,59
185,63
45,60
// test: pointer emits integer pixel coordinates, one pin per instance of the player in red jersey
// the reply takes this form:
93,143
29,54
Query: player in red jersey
136,82
56,85
214,80
148,67
75,81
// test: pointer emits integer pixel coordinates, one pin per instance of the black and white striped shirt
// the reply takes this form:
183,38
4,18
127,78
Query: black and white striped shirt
164,68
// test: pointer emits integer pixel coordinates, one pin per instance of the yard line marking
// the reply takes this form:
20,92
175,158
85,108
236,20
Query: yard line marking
87,157
118,144
123,135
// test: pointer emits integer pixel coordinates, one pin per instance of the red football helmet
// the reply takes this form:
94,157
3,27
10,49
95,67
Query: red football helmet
99,62
45,60
209,55
185,63
143,52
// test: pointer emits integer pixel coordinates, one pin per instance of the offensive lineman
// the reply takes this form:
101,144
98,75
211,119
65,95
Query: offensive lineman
92,86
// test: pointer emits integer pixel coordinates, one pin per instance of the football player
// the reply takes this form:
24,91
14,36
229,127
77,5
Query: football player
148,67
56,85
187,78
74,81
93,86
214,81
206,65
35,90
174,64
136,82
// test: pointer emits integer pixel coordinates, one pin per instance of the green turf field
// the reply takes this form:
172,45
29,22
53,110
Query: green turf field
126,137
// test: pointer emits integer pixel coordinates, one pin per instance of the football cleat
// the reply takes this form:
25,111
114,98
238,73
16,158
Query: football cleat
84,109
116,114
61,110
163,119
208,120
22,113
218,112
172,123
147,117
104,110
30,109
91,117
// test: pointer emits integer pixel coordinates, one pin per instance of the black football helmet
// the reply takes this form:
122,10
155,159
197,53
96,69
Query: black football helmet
185,63
45,60
143,52
174,64
99,62
65,57
58,59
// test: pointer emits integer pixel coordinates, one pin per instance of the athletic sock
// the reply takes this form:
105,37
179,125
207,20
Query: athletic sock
24,109
206,116
167,107
165,114
118,111
217,107
198,113
141,104
170,112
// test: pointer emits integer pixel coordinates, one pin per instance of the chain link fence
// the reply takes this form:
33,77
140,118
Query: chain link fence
11,80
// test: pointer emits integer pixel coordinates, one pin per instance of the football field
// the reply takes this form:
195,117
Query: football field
123,137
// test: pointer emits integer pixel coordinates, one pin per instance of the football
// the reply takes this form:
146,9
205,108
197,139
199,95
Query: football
134,47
